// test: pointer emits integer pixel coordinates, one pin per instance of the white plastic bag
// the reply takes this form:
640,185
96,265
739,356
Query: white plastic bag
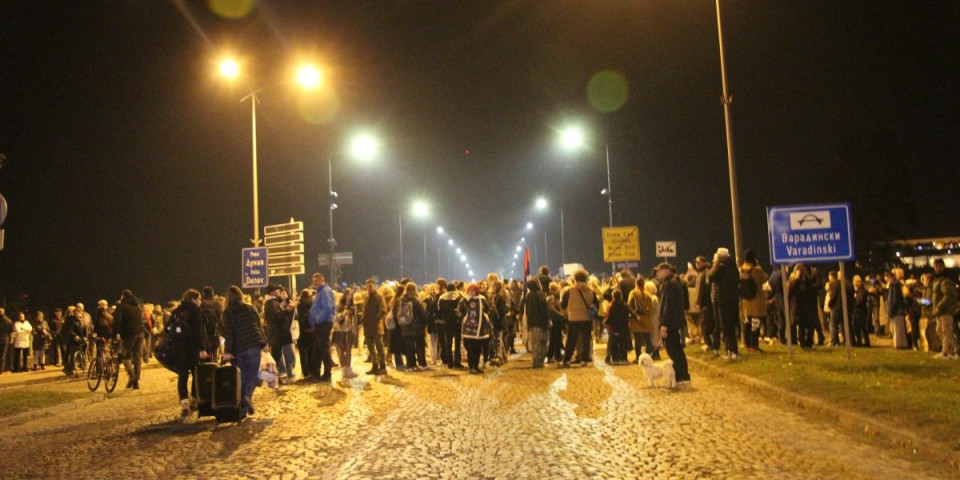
295,327
268,369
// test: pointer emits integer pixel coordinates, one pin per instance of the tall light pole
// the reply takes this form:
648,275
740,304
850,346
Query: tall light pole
573,138
363,147
731,161
420,210
308,77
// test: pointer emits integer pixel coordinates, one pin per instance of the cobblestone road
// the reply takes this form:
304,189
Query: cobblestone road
588,422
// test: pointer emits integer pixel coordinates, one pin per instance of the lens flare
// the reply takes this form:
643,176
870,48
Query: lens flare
232,9
608,91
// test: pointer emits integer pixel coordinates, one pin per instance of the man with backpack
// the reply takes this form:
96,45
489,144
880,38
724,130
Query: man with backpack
753,300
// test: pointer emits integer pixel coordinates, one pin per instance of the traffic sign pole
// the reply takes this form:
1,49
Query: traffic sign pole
786,311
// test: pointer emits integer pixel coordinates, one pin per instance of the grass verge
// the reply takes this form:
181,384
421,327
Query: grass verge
904,389
18,401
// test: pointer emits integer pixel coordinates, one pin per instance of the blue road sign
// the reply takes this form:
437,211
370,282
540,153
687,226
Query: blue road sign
810,233
255,267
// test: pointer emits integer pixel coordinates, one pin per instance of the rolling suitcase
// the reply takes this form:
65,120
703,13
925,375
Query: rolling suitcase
203,378
227,398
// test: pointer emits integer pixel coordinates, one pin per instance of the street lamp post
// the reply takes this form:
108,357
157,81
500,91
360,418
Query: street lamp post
400,223
363,147
308,77
731,161
573,138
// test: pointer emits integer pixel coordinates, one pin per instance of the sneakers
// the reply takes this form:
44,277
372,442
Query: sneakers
184,408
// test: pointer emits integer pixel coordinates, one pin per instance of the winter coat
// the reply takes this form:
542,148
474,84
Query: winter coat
241,329
374,311
41,335
535,307
618,318
756,306
185,352
72,332
416,327
22,334
641,304
724,280
895,304
576,300
128,319
277,323
672,306
943,295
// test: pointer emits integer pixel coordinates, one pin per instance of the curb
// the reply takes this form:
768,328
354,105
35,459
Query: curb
29,415
858,422
59,377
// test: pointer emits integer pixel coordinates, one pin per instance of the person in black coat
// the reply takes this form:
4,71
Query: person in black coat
187,346
71,337
618,326
673,319
724,278
128,326
538,322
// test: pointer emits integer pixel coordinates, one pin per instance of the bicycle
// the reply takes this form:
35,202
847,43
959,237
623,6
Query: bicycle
106,367
79,359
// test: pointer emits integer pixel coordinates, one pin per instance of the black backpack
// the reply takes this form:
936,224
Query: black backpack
178,326
747,289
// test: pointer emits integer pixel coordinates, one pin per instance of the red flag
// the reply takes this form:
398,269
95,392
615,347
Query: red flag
526,264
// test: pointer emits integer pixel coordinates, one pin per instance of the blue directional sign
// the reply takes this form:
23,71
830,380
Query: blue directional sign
255,270
810,233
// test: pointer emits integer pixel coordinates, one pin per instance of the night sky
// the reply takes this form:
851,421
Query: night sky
128,160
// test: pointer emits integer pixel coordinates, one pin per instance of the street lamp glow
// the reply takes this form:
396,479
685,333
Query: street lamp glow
529,225
229,68
459,251
523,239
470,273
515,256
571,138
463,258
450,242
541,203
518,248
440,230
364,147
308,76
420,209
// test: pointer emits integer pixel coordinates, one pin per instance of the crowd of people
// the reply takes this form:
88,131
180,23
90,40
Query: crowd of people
401,326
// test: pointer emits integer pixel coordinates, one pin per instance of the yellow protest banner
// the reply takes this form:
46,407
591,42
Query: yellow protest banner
621,244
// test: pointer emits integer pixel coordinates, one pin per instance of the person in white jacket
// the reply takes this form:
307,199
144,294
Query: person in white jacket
22,338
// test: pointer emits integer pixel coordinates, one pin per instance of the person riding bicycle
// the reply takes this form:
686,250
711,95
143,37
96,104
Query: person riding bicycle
102,326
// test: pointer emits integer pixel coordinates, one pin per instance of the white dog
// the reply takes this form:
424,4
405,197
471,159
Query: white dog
664,370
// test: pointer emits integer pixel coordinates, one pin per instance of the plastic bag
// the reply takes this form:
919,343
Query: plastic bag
295,327
268,369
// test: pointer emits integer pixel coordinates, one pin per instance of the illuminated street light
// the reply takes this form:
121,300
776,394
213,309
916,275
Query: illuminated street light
459,251
450,242
518,248
420,209
364,147
541,203
229,68
440,230
529,225
308,76
571,138
463,258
